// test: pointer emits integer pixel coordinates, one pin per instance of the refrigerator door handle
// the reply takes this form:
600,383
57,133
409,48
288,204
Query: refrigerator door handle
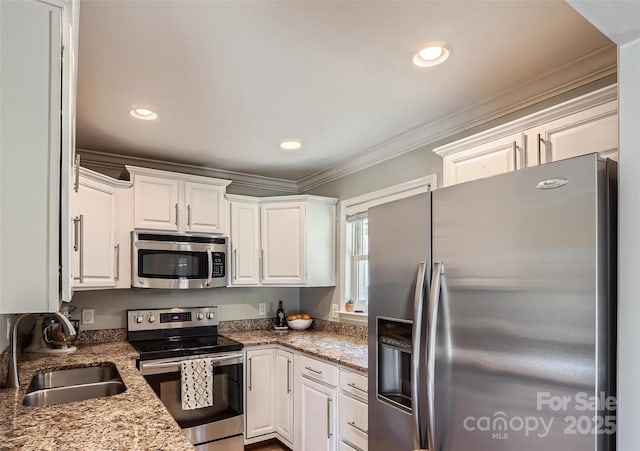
437,275
419,441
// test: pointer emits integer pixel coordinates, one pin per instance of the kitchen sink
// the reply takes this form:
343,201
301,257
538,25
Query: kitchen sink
73,384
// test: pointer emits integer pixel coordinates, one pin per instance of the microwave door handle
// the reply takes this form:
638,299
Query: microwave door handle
210,267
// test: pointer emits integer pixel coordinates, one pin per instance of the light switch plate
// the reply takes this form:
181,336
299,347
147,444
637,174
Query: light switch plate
262,308
336,309
87,316
8,328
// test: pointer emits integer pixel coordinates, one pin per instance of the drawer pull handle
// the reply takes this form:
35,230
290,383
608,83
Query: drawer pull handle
355,426
352,385
312,370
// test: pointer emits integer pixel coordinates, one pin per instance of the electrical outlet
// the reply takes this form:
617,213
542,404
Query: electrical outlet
87,316
262,308
336,309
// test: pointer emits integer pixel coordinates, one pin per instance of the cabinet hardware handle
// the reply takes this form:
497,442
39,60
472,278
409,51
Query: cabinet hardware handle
261,264
189,215
515,155
117,252
76,182
235,264
81,256
540,140
352,385
76,233
176,215
288,376
329,433
312,370
358,428
250,374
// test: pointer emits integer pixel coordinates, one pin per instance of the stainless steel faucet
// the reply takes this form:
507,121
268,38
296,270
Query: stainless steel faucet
12,376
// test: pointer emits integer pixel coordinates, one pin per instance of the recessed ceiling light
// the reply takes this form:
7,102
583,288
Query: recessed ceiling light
290,144
432,55
143,113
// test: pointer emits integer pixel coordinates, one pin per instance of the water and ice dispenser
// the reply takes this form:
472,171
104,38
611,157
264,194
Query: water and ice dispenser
394,362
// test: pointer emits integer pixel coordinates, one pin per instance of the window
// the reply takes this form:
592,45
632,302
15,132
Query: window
353,264
357,283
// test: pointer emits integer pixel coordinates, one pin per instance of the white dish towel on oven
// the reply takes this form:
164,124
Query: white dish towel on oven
197,383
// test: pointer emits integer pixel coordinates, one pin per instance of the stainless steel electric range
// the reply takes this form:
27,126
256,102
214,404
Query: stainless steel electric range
166,337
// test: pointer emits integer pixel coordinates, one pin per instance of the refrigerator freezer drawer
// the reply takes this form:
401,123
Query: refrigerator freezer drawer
319,371
353,422
354,384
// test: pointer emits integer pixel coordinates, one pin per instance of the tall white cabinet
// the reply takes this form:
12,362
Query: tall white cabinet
102,219
37,88
579,126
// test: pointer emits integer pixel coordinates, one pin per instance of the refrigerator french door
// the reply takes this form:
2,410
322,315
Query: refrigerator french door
517,347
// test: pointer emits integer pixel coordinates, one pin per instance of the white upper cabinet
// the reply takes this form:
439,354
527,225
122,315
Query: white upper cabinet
206,208
101,240
484,160
579,126
156,203
175,202
35,110
245,242
283,243
592,130
286,240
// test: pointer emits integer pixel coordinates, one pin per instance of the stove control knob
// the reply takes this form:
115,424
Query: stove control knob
200,316
210,315
139,319
151,318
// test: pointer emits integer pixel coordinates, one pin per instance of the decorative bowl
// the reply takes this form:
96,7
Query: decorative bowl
300,324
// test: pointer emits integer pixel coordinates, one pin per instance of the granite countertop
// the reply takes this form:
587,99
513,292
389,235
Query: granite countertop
133,420
342,349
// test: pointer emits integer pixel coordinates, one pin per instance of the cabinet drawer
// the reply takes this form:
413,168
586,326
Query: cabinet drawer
354,384
319,371
354,425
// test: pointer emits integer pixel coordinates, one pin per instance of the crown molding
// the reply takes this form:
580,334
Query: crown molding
567,108
596,65
115,161
98,177
138,170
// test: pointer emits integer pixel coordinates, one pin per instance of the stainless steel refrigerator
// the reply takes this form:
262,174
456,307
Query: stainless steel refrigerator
492,313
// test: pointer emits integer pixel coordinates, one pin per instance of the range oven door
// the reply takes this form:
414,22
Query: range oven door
178,261
217,427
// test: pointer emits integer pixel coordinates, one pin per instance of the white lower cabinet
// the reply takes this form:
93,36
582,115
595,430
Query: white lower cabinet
353,423
307,403
260,405
317,416
284,394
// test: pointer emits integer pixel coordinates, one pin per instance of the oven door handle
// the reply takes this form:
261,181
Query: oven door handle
152,367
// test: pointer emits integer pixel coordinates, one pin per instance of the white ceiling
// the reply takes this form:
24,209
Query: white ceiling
229,80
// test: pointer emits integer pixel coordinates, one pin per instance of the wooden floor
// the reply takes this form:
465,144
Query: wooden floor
269,445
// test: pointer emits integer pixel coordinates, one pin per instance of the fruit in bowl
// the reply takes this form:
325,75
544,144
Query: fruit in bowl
299,321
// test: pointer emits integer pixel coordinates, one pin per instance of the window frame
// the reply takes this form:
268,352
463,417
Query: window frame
360,204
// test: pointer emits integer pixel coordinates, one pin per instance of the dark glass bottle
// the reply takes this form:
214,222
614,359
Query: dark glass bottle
280,316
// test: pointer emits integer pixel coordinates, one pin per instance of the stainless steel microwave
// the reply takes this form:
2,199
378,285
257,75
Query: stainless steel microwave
178,261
